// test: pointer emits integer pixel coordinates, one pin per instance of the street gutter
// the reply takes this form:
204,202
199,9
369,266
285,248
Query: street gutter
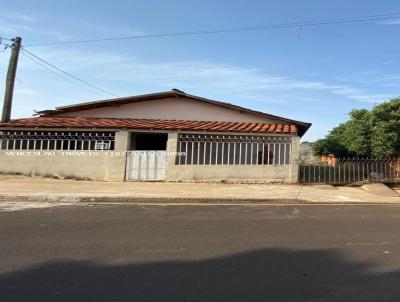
177,200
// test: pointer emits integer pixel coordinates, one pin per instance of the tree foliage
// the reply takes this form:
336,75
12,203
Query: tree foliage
374,133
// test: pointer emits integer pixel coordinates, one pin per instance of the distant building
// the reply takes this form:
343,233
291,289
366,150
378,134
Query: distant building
306,152
305,148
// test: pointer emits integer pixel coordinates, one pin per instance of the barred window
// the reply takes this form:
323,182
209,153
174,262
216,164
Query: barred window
210,149
56,140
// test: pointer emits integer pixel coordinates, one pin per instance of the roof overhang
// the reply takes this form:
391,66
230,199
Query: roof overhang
148,124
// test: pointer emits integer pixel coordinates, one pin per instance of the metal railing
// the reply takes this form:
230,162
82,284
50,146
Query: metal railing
56,140
214,149
350,171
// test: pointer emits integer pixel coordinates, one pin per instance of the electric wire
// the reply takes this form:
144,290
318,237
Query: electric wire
237,29
49,69
67,73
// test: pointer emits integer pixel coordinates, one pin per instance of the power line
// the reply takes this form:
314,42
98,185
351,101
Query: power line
68,74
2,38
49,69
5,45
53,71
45,65
237,29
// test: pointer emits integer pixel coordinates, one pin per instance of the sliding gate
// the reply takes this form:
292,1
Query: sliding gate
145,165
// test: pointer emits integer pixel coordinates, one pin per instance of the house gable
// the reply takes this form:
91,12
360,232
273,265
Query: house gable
172,109
170,105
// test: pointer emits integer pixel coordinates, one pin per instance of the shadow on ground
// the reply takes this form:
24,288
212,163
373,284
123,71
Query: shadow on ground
263,275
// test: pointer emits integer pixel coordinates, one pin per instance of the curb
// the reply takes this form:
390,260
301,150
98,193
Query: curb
175,200
142,200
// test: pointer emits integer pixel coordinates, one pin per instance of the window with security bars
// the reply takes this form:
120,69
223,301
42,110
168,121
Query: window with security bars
210,149
56,140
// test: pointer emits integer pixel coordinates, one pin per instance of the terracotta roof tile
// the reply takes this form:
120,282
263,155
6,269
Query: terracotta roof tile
155,124
264,128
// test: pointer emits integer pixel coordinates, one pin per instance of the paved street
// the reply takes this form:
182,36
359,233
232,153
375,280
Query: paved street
200,253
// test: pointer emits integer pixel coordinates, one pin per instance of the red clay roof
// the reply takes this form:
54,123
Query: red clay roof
148,124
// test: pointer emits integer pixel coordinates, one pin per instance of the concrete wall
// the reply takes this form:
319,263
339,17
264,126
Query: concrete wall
280,174
172,109
93,165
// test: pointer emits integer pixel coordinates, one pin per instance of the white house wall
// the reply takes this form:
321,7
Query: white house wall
172,109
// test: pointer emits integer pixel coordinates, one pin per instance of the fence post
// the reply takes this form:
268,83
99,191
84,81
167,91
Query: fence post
294,159
172,146
122,141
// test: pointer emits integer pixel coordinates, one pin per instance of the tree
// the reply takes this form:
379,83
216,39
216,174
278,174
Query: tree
332,143
366,134
356,136
386,129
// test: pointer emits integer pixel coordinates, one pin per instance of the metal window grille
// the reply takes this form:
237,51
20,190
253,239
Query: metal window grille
213,149
56,140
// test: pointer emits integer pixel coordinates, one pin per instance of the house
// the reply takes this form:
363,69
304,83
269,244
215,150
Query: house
169,136
328,159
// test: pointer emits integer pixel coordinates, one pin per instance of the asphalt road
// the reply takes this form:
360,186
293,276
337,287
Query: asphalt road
200,253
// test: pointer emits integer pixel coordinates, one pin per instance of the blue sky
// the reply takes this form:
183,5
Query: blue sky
317,78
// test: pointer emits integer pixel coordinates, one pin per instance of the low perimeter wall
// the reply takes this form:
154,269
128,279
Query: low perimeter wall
110,165
268,174
92,165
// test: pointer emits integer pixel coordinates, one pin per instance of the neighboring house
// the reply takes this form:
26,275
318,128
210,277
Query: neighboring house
171,136
328,159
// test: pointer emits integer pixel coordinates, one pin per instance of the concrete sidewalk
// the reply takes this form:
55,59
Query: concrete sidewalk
45,189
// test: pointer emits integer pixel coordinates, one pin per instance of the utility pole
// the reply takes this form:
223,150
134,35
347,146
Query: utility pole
10,80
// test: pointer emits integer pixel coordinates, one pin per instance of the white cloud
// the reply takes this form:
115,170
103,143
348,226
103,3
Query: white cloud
390,22
17,24
388,62
132,75
372,98
9,29
36,25
392,85
367,73
10,15
30,92
392,77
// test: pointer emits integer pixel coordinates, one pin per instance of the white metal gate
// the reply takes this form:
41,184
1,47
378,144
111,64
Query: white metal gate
145,165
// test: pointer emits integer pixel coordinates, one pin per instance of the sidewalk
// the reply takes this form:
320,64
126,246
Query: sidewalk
44,189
